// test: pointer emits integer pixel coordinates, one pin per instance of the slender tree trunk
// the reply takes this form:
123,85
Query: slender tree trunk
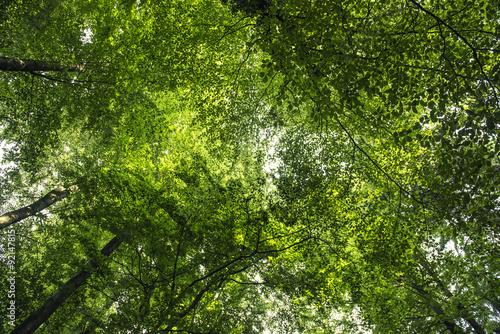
28,65
465,314
38,317
17,215
450,325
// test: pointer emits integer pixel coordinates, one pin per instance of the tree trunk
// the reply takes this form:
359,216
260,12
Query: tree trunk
28,65
38,317
465,314
450,325
17,215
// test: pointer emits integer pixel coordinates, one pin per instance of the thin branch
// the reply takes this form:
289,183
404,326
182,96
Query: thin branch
465,40
193,304
177,254
227,264
375,163
247,283
241,257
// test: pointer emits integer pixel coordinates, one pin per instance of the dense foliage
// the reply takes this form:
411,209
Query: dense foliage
268,166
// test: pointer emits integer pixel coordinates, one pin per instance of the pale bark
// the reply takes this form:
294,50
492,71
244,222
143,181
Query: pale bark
17,215
29,65
38,317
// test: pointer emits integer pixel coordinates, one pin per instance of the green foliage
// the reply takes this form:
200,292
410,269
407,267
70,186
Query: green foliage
290,166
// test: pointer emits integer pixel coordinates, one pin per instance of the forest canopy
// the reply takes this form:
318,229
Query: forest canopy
250,166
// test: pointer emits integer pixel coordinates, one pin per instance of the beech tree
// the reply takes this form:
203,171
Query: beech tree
53,196
291,166
38,317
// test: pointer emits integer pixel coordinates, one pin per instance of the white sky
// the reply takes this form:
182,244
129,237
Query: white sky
3,145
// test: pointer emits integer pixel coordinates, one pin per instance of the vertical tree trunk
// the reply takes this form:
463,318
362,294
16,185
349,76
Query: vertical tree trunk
28,65
17,215
38,317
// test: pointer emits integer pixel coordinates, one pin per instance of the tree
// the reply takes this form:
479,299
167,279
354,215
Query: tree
164,57
293,166
53,196
33,322
423,87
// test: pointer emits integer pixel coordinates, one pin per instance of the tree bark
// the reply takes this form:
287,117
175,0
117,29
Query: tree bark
465,314
17,215
38,317
450,325
28,65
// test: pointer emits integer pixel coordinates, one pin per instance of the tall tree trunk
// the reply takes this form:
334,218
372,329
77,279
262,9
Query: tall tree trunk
28,65
450,325
17,215
465,314
38,317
